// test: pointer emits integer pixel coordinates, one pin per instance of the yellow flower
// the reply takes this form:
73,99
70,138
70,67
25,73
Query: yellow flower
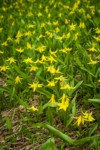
41,49
52,70
82,25
33,68
66,87
51,59
64,97
41,36
81,11
31,26
29,46
30,14
60,78
51,35
34,86
49,15
66,50
67,35
9,39
93,62
33,108
17,80
60,15
28,33
72,27
97,30
1,52
39,14
20,50
66,21
28,60
99,80
57,29
92,49
88,16
53,53
4,43
76,5
43,59
11,60
47,32
76,36
59,37
55,23
97,38
84,117
4,68
17,40
46,9
19,34
88,116
51,83
52,100
64,104
42,25
79,120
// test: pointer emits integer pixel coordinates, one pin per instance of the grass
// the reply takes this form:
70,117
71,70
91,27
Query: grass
50,75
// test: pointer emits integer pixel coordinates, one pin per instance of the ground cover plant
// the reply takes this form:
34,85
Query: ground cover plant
50,74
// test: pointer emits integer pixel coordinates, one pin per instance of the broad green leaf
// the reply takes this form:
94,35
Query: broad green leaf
87,139
59,134
24,75
44,92
22,102
84,69
75,88
8,123
94,100
48,105
49,145
2,89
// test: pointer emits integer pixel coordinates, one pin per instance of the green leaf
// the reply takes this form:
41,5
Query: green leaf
24,75
93,129
48,105
59,60
75,87
24,103
94,100
84,69
39,72
87,139
2,89
44,92
49,145
59,134
8,123
73,105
